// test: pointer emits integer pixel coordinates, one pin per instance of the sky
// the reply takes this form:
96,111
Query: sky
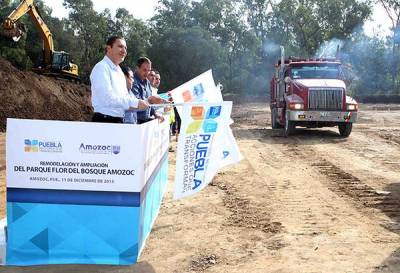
142,9
145,9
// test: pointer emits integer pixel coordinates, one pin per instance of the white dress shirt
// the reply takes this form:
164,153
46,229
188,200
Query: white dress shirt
109,93
154,91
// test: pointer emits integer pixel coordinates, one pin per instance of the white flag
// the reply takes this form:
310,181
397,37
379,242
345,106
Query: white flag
200,89
199,152
206,143
227,152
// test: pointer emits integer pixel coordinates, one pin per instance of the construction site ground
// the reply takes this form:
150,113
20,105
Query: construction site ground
313,202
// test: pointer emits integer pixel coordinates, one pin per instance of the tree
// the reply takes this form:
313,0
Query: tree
311,22
224,21
369,58
91,31
136,33
392,8
34,40
171,14
259,14
180,54
238,39
23,53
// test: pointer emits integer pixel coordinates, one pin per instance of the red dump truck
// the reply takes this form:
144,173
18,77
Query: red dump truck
310,93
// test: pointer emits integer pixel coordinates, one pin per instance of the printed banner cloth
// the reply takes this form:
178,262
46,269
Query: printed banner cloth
206,143
200,154
200,89
82,193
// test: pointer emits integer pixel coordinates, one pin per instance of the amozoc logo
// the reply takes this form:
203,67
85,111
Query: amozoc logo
99,149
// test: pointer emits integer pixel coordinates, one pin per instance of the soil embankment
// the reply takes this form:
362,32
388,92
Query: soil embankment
25,94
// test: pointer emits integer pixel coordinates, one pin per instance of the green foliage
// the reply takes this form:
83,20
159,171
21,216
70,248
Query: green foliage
238,39
17,56
225,22
90,29
369,66
10,50
259,16
136,33
183,53
172,14
311,22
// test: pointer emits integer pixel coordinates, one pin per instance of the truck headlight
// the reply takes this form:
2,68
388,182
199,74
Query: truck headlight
296,106
352,107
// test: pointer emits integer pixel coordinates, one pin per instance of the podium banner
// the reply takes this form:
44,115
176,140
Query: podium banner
85,193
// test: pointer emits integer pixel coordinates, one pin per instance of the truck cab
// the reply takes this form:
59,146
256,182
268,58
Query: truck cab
311,93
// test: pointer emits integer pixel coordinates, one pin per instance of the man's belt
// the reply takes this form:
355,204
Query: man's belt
99,117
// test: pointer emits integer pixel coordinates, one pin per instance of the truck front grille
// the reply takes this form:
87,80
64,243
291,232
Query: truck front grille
325,98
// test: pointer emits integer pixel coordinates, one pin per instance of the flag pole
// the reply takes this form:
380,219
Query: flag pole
167,104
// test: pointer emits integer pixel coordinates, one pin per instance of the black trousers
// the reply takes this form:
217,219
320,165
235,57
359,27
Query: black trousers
141,121
176,126
99,117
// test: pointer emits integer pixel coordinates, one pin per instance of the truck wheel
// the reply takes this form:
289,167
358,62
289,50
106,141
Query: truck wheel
290,126
345,129
274,123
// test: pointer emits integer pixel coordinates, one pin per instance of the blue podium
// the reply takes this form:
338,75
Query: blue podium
82,193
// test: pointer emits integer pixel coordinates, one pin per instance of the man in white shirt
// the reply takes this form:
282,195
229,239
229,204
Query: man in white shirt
110,98
155,83
150,77
157,79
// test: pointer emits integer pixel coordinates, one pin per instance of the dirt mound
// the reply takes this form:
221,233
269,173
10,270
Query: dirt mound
32,96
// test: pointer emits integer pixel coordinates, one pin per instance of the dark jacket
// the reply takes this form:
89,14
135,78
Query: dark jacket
142,90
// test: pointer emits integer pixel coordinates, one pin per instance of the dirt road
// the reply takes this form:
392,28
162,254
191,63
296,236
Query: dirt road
313,202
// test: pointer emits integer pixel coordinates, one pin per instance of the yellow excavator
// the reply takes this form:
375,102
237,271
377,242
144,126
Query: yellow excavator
54,63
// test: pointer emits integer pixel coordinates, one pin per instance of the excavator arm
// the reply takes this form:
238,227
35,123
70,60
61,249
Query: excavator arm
12,29
54,63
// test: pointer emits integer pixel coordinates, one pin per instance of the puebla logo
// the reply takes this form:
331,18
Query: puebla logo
203,120
35,146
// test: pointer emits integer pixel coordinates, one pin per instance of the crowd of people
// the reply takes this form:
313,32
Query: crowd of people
123,95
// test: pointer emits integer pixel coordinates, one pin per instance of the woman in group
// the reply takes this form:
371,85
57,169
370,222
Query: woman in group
130,116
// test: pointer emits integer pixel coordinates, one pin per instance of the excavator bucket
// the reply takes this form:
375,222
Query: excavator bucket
15,32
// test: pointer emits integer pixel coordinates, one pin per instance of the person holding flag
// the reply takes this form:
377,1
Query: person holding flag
142,90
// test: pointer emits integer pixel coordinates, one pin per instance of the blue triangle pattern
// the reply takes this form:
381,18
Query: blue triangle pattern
88,259
17,212
41,240
54,239
129,255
